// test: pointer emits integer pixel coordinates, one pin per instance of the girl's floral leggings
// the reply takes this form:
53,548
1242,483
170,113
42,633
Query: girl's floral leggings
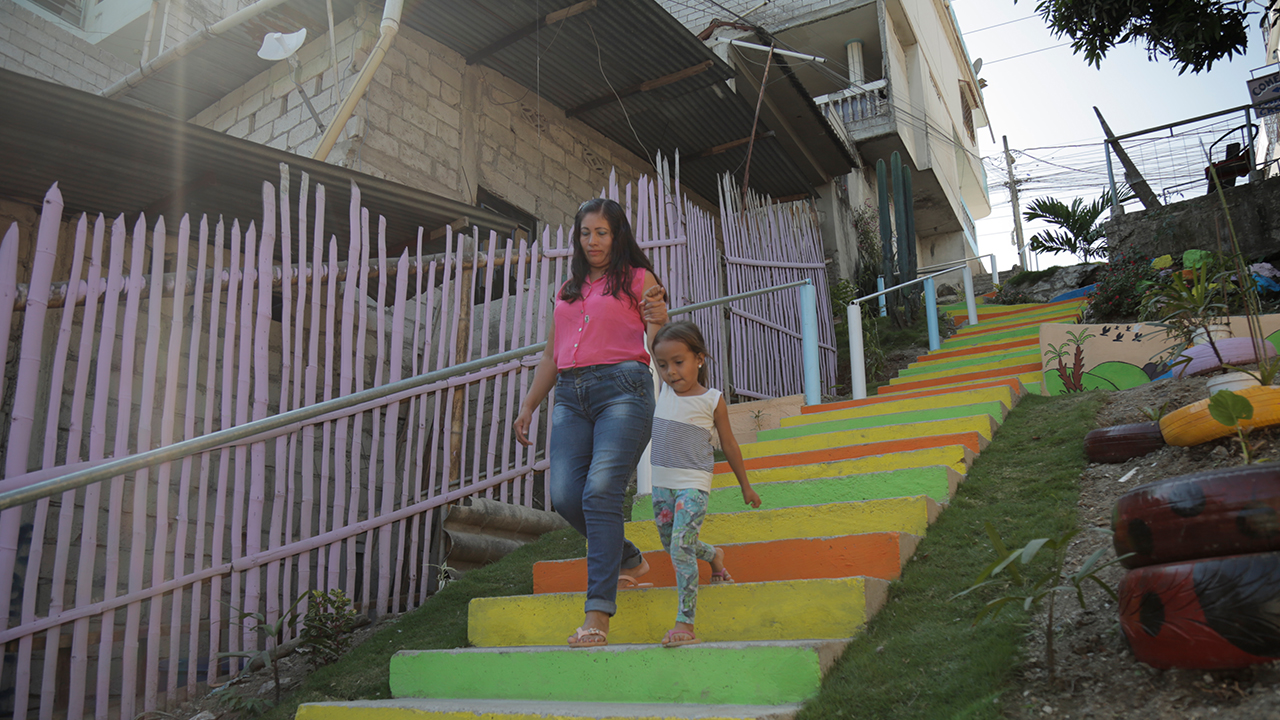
679,515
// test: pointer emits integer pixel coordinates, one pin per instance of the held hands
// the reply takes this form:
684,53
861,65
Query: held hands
655,307
750,497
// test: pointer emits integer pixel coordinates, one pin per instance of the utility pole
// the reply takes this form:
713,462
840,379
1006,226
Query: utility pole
1017,209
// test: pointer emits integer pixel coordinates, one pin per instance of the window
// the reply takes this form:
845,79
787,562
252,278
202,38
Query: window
966,109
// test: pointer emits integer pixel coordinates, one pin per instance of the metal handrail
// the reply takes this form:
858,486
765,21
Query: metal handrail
995,272
239,433
854,311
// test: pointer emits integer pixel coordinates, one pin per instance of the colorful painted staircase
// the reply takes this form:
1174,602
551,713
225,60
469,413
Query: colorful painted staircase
849,489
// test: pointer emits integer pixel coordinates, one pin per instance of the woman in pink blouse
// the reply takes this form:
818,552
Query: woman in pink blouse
597,360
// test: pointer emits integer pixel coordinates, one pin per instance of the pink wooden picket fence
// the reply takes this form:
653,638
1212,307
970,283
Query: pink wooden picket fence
765,244
124,594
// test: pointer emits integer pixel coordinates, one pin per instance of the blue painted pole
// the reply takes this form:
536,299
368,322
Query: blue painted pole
931,314
809,343
884,309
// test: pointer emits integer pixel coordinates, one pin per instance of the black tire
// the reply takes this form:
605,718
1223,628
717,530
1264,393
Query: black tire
1122,442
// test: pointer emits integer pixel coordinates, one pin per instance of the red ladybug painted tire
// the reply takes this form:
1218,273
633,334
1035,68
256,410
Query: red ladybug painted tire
1226,511
1192,424
1208,614
1122,442
1201,359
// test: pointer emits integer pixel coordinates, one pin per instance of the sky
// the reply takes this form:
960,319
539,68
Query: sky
1043,99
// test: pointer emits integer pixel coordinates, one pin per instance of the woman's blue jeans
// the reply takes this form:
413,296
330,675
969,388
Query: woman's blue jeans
600,425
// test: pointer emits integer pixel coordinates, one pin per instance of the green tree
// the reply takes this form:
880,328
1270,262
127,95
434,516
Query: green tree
1194,34
1079,232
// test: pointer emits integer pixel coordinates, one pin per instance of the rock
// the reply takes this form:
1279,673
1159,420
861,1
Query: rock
1063,280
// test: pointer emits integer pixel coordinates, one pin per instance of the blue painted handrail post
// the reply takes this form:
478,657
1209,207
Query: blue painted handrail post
809,343
931,313
884,308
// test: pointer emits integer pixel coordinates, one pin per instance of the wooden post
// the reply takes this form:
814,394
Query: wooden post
462,345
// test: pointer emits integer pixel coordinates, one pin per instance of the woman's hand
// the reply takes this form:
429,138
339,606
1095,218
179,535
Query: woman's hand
523,420
655,306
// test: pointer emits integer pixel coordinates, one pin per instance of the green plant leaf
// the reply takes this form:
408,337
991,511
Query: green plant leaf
1228,408
1033,547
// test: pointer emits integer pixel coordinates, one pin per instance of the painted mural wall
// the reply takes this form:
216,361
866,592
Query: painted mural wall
1117,356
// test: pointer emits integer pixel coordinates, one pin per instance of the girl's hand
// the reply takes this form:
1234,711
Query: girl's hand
523,420
750,497
655,307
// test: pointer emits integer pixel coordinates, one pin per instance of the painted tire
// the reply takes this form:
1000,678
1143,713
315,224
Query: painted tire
1227,511
1234,351
1209,614
1192,425
1122,442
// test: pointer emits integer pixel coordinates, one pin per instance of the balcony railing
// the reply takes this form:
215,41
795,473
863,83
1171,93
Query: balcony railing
856,104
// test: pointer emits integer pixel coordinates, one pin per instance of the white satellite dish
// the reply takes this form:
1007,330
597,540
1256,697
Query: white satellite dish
977,65
278,46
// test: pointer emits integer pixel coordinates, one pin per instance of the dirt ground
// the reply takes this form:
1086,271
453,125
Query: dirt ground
1097,676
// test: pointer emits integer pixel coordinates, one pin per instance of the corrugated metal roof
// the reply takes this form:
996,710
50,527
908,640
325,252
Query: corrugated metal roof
223,63
113,158
616,45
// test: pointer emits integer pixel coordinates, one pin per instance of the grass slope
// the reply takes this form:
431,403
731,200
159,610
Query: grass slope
922,657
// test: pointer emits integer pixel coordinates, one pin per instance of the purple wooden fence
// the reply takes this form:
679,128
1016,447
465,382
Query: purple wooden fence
124,593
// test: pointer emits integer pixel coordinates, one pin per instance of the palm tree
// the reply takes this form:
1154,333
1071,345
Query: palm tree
1079,232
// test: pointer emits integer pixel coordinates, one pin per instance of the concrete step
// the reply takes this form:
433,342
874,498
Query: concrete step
879,555
984,425
1002,394
1056,313
1029,373
827,608
723,477
1012,366
996,337
1018,356
1015,386
903,514
957,455
994,409
937,481
422,709
754,673
946,355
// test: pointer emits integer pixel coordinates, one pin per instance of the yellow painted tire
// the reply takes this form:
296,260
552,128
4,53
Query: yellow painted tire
1192,424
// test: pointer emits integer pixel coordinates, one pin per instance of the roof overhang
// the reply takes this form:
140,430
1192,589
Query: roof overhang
109,157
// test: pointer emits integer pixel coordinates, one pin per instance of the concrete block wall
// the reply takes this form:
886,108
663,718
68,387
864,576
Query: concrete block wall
36,46
431,122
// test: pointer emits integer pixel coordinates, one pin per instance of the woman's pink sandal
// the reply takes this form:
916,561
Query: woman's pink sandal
721,578
672,638
580,638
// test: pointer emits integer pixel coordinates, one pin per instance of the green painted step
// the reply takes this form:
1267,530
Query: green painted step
424,709
935,374
754,673
956,457
996,410
937,482
982,424
1002,394
956,342
1016,357
824,609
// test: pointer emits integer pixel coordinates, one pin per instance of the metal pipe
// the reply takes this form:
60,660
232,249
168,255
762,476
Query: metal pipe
969,303
809,343
390,26
884,306
859,380
931,313
185,47
214,440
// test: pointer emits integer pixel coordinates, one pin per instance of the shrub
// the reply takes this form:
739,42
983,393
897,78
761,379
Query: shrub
327,626
1120,288
1007,294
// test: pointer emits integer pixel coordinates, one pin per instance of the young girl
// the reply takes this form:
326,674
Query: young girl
683,465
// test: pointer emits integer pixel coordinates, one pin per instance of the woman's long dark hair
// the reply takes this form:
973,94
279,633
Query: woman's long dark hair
688,333
624,254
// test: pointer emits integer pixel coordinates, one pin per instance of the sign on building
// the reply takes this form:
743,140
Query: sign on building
1264,94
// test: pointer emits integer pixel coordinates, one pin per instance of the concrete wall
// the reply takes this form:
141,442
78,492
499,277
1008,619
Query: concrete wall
1200,223
429,121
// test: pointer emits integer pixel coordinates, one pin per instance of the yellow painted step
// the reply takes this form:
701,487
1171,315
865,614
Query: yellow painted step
1026,378
956,457
984,425
1002,394
952,372
908,514
783,610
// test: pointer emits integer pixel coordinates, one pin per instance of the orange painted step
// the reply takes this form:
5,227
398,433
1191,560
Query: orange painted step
977,349
977,330
1014,383
971,440
957,379
878,555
